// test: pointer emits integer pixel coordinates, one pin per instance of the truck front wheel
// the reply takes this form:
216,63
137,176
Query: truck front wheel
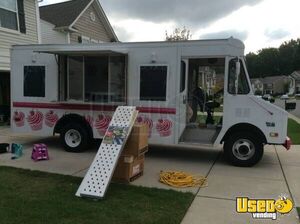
243,149
74,138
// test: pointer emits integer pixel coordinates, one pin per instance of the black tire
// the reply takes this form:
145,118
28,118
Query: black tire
243,149
79,144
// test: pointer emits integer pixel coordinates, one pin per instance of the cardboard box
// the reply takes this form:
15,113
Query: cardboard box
129,168
137,143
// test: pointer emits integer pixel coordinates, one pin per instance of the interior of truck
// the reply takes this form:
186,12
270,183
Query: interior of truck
205,85
93,78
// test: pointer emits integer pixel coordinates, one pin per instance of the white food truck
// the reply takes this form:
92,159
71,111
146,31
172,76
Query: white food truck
189,92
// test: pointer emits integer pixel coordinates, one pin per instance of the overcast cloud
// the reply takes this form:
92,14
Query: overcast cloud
276,34
259,23
192,13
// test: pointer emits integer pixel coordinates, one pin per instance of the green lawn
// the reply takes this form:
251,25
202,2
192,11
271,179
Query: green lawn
294,131
38,197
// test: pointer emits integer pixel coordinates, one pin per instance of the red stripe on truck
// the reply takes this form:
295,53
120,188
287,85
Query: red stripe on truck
156,110
93,107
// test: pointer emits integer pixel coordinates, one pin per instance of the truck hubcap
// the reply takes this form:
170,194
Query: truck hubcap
73,138
243,149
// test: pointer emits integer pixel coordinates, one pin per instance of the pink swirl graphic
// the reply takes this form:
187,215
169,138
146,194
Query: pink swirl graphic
102,123
35,120
19,118
147,121
51,118
164,127
90,120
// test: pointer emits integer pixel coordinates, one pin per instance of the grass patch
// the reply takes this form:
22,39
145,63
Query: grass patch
294,131
298,210
38,197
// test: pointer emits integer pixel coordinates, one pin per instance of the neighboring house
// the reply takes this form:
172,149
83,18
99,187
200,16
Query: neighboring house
257,86
276,85
295,80
19,24
76,21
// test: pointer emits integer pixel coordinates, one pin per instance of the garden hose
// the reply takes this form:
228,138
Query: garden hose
182,179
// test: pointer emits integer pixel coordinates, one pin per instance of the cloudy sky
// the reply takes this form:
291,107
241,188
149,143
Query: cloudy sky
259,23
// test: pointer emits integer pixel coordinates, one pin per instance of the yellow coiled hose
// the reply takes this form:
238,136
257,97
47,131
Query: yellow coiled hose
182,179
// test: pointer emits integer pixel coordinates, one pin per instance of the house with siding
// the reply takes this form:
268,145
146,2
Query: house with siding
19,24
76,21
276,85
295,82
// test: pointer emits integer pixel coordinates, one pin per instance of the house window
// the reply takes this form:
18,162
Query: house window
85,40
153,82
34,81
12,15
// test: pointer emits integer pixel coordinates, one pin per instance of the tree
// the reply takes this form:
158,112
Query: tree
252,65
179,34
275,61
268,62
287,52
296,64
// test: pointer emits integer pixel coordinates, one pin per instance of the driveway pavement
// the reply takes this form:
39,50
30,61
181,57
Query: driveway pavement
278,173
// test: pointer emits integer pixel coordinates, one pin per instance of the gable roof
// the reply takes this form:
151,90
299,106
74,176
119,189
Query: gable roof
272,79
63,14
296,75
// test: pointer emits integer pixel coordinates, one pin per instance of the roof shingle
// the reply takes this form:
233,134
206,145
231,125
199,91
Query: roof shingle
64,13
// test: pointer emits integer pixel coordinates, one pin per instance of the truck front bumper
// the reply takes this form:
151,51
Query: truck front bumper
288,143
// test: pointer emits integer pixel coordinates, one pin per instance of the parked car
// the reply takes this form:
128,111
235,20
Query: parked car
269,98
284,97
297,95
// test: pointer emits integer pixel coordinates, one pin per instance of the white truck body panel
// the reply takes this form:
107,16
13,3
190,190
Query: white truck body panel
237,108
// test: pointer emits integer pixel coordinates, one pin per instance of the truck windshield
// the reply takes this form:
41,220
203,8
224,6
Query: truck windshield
243,86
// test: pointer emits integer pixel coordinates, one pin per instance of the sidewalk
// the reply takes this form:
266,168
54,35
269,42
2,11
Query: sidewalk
277,174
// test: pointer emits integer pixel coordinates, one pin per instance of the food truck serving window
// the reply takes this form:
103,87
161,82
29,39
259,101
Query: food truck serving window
153,82
95,78
34,81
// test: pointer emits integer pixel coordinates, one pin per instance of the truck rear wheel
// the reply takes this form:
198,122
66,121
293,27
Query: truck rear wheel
243,149
75,138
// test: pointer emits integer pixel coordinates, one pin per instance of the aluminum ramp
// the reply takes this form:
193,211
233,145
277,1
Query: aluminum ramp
98,177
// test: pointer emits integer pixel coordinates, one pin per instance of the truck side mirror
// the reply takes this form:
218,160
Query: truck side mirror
237,75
